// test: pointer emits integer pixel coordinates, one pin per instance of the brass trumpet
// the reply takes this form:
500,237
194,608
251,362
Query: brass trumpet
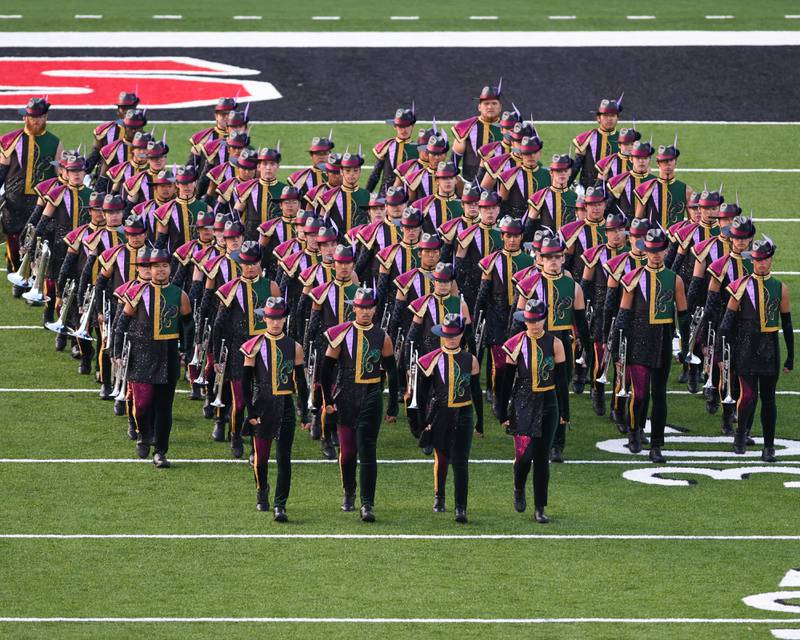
121,381
67,300
82,332
35,296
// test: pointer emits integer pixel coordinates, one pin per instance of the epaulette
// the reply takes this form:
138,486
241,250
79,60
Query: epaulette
386,255
122,289
405,167
297,178
631,279
211,148
700,250
313,194
183,254
738,287
44,186
199,255
9,140
164,212
486,263
382,148
526,285
243,189
73,238
461,129
581,141
141,208
465,236
616,265
352,234
55,194
489,149
512,346
417,306
569,232
318,293
110,254
592,255
604,164
291,262
508,176
368,232
327,198
537,199
197,139
91,239
404,280
616,184
718,268
684,235
225,189
227,291
413,177
428,362
134,293
117,172
448,228
307,274
252,346
217,174
519,276
337,333
423,203
108,151
673,229
284,249
135,181
101,130
644,190
210,265
496,164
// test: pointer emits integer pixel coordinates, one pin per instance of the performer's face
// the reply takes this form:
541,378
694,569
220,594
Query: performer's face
656,258
471,209
97,215
607,121
165,192
741,244
411,234
535,327
144,271
136,240
442,288
625,148
559,177
36,124
490,109
318,157
364,315
327,249
512,241
640,165
403,132
694,214
762,267
289,208
75,178
616,237
221,119
447,185
251,270
430,257
377,214
275,325
160,272
206,234
708,213
595,210
343,270
531,159
452,342
232,244
267,169
489,215
351,176
395,211
113,218
156,164
667,167
245,174
552,263
334,178
186,191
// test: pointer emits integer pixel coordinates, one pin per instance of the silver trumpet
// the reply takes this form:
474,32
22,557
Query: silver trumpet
22,276
603,379
623,354
708,360
413,373
310,371
480,330
107,328
67,300
82,332
219,380
726,372
385,317
35,296
121,380
398,344
202,354
694,330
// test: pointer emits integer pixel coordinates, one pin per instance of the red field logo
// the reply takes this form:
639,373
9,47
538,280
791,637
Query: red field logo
163,82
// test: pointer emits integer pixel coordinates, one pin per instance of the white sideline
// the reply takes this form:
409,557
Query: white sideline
400,39
484,621
396,536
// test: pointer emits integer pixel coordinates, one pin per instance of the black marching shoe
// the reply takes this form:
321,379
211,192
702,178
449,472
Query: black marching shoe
619,421
599,402
315,433
143,448
279,514
262,499
693,383
727,424
132,428
119,407
349,502
438,504
237,446
16,291
461,515
61,342
218,434
540,517
366,513
655,454
712,401
556,454
197,392
520,504
85,368
160,461
740,442
578,385
105,392
768,454
328,450
635,441
208,410
684,377
643,437
75,352
748,440
427,450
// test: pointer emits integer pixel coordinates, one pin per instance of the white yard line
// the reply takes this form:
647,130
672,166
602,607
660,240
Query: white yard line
88,16
169,16
10,327
409,461
561,17
410,39
382,621
720,17
247,17
403,18
17,16
323,18
395,536
483,17
736,123
640,17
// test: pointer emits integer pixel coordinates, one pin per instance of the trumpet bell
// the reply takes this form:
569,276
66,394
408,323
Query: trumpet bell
218,403
199,379
693,359
122,395
58,327
18,280
602,379
728,400
35,297
623,393
81,335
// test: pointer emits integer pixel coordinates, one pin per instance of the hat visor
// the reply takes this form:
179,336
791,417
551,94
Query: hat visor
439,330
364,304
